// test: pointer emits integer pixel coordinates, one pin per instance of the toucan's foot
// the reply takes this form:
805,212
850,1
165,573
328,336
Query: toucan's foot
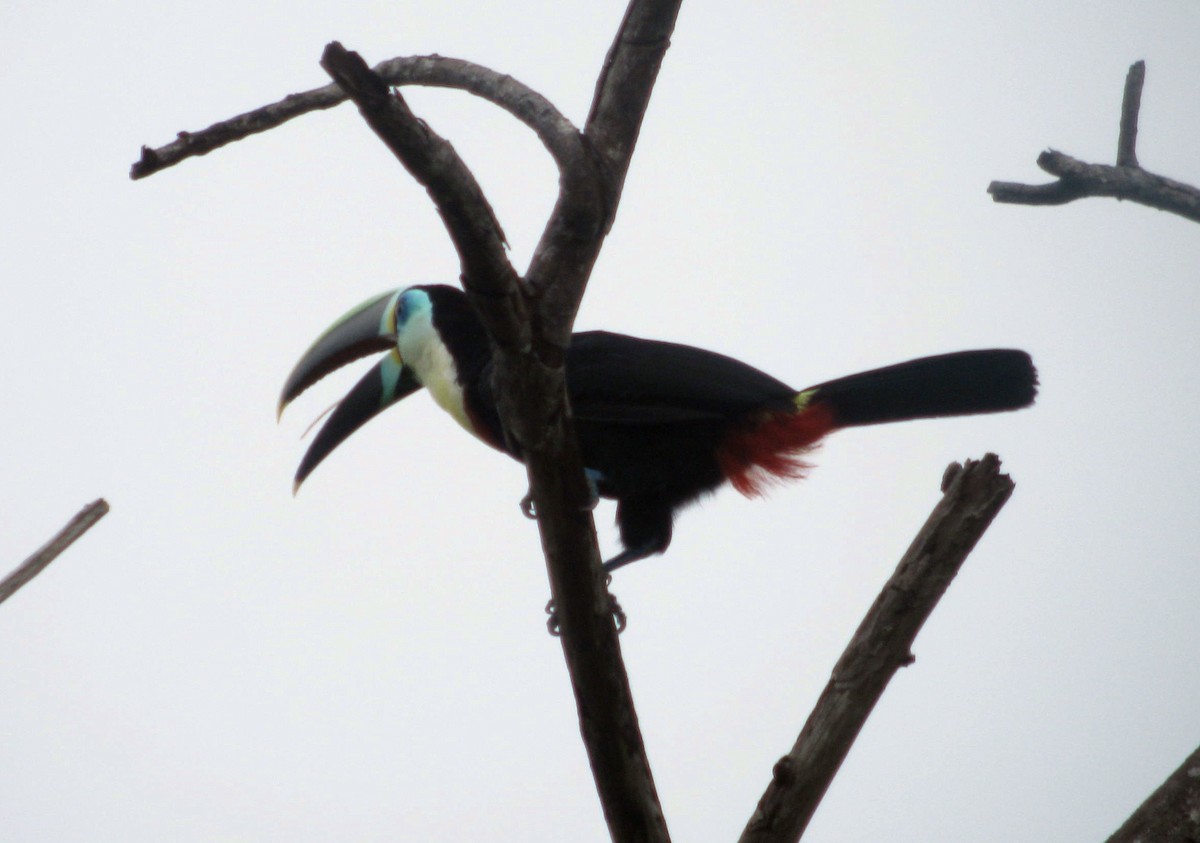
614,607
530,510
617,612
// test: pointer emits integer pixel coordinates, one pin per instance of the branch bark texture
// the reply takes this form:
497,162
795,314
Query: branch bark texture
1171,814
973,495
1126,180
64,538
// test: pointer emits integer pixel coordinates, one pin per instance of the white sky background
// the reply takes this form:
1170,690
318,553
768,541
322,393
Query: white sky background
368,661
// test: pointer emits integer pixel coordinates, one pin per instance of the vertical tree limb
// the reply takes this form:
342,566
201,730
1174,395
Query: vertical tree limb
973,494
562,262
530,326
1131,105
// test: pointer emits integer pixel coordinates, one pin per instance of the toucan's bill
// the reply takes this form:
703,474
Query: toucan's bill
368,328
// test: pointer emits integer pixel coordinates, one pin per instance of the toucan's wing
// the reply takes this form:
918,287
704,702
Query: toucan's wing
618,379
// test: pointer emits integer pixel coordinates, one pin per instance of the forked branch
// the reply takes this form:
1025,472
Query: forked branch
529,320
531,328
557,133
1126,180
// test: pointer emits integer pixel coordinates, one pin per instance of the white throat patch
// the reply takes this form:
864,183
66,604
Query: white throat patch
423,351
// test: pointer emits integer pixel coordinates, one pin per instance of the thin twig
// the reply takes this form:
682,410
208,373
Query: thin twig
50,551
560,137
973,495
1131,104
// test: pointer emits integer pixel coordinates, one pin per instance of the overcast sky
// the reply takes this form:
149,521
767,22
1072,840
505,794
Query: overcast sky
218,661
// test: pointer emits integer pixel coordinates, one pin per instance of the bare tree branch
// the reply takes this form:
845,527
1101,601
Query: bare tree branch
1172,813
558,275
1126,180
973,495
557,133
1078,180
432,161
530,333
563,259
1131,105
623,89
64,538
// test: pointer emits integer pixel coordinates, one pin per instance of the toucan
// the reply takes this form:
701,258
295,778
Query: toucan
659,424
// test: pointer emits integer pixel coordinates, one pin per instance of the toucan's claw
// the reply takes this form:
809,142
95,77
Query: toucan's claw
617,612
614,606
527,507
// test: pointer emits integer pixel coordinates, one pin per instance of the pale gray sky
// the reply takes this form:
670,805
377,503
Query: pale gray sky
368,661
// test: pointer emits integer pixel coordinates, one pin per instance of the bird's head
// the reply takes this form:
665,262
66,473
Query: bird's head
399,322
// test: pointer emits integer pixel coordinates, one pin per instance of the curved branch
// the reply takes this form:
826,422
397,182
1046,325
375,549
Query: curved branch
973,494
1126,180
530,326
433,162
556,132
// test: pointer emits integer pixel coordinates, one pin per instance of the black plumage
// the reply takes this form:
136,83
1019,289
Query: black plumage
659,424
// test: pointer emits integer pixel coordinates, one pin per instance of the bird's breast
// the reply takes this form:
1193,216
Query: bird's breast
435,367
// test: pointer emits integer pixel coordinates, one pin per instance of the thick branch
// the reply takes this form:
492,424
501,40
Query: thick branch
1172,813
530,326
50,551
1127,180
560,137
564,258
974,494
626,81
530,388
557,277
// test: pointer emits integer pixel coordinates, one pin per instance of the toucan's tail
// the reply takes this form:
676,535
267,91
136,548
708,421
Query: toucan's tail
959,384
964,383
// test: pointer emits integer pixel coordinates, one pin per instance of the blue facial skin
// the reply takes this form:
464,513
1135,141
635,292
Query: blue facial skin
409,303
406,304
